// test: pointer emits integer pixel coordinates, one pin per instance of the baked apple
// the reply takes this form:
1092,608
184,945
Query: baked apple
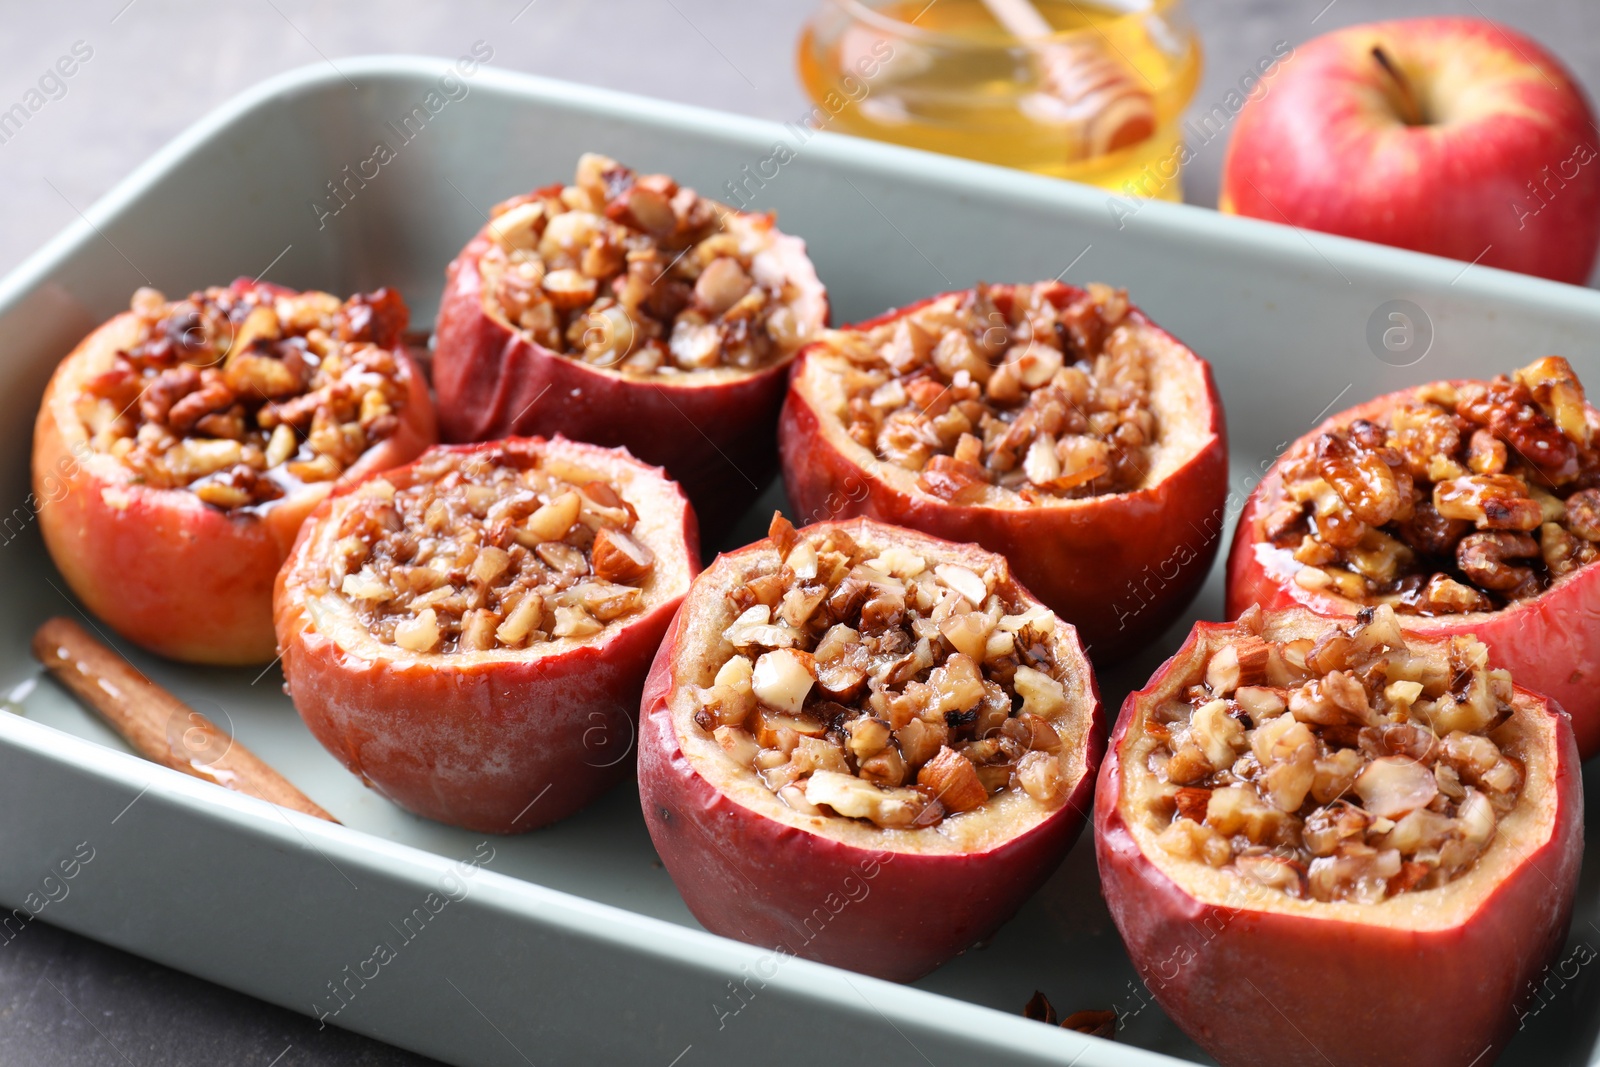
626,310
470,633
1059,427
1338,841
179,447
865,746
1468,507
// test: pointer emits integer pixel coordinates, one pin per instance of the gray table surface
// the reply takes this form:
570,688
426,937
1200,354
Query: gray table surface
158,65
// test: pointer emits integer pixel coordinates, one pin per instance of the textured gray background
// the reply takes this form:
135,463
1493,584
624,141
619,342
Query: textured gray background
158,66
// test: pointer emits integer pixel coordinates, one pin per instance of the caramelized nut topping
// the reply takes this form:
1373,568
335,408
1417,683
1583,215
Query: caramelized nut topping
242,395
886,686
1466,498
632,272
1363,768
489,550
1023,387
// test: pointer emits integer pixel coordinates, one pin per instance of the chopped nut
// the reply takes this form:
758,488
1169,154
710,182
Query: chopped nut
1239,810
1362,479
954,480
963,581
1483,558
1583,514
876,666
1188,764
244,382
1041,777
618,557
552,521
1218,734
1458,475
953,780
223,496
783,678
721,285
970,396
738,744
419,633
633,273
1260,703
1041,694
957,686
522,620
575,623
1188,839
1380,779
853,798
868,737
427,547
281,446
519,228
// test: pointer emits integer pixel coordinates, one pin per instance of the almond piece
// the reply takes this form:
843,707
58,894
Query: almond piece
618,557
954,781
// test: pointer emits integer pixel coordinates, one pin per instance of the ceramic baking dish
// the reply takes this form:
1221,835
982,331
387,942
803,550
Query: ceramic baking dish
571,944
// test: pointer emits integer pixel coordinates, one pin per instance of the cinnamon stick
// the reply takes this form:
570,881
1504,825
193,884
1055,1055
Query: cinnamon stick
157,724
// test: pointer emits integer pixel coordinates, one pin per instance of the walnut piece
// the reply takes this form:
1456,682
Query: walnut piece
634,273
1026,388
488,550
243,395
1363,770
886,686
1463,499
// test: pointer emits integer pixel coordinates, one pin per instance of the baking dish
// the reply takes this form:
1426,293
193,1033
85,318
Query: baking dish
572,943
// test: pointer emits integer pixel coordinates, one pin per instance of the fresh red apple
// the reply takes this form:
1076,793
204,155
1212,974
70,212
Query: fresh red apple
1057,426
179,447
865,746
1493,530
626,310
1455,136
1316,854
470,633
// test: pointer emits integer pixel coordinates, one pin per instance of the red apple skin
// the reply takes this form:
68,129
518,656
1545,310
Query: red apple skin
1550,643
493,381
167,571
1259,988
1118,567
499,747
1504,177
753,879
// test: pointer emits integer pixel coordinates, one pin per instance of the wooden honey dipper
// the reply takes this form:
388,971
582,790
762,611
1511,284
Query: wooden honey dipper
1090,91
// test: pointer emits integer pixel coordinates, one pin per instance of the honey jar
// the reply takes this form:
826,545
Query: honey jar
1091,91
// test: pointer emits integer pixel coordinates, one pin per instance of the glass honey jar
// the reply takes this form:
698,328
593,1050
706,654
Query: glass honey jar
1091,91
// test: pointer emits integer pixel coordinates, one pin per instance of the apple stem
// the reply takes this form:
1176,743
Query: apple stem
1405,96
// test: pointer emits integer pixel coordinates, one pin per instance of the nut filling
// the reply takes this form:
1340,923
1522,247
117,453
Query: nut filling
885,686
1014,386
1466,498
489,550
1349,768
241,397
634,273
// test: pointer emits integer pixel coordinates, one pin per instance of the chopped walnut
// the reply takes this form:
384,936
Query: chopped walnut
1037,389
632,272
1092,1021
1466,498
889,687
489,550
1365,769
243,394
